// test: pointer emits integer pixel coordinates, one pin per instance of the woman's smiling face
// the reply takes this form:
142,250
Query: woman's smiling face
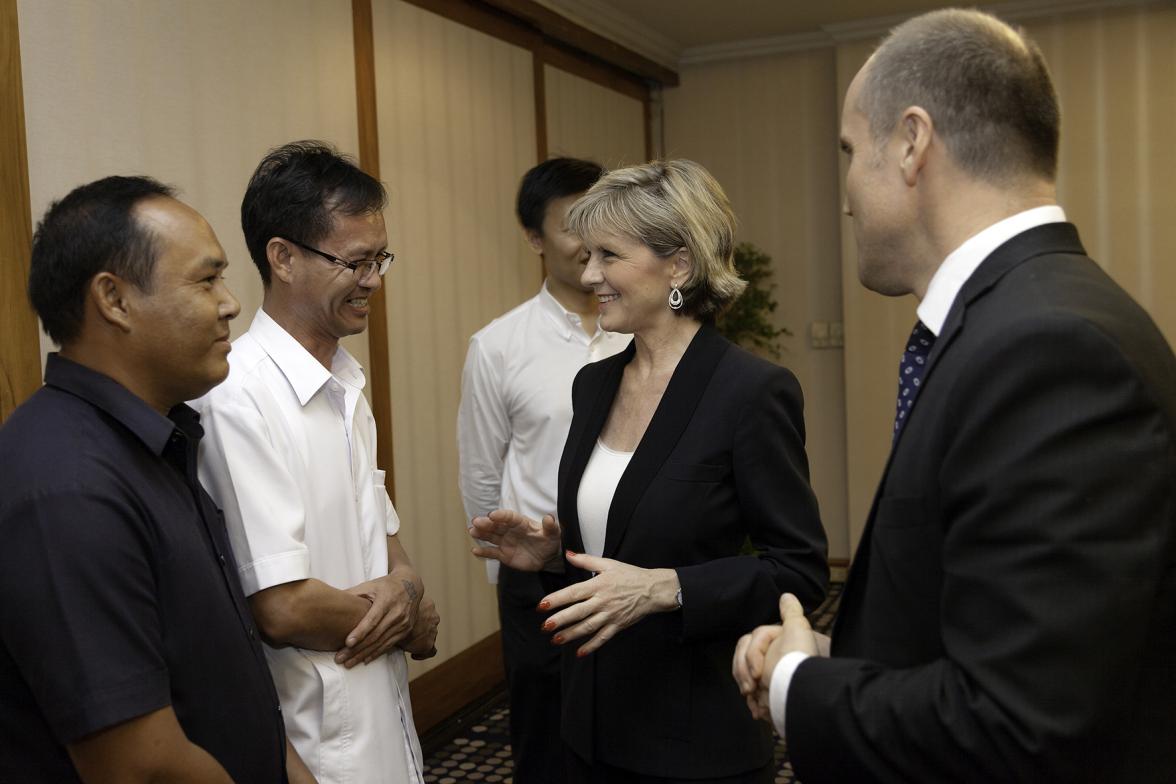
631,282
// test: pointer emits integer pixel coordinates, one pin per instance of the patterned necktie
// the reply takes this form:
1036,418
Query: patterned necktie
910,372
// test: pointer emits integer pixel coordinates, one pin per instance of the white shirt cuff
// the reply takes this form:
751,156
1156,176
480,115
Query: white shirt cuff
781,681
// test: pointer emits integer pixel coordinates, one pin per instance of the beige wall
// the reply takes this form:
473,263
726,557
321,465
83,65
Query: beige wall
1113,71
190,93
766,128
195,93
587,120
875,328
457,131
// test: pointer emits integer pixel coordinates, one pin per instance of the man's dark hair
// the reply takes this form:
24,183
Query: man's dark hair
295,192
93,229
984,83
553,179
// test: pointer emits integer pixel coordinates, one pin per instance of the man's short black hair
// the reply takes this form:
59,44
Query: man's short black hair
93,229
295,192
553,179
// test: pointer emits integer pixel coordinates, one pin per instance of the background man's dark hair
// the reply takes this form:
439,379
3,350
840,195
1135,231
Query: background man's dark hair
93,229
985,85
295,192
553,179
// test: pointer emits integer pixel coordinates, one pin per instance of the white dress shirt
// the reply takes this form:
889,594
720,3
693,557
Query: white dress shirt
941,293
516,406
289,456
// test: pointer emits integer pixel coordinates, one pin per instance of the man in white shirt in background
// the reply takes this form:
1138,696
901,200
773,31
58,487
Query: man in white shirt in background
516,407
289,455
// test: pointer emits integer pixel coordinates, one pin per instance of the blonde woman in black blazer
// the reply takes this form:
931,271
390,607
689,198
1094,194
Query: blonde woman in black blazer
681,448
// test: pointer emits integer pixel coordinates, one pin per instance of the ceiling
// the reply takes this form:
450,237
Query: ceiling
691,23
678,32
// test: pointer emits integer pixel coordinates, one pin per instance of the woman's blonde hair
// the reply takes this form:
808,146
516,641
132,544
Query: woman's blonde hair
669,205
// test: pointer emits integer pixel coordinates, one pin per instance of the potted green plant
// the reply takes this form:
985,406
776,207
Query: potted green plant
747,322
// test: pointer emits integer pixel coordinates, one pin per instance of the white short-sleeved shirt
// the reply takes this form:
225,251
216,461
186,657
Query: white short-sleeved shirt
289,456
516,406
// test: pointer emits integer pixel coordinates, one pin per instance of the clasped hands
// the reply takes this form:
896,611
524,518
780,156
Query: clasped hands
616,597
399,616
758,653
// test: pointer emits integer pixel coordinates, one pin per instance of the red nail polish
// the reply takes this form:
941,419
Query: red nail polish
548,625
569,552
580,654
544,605
557,639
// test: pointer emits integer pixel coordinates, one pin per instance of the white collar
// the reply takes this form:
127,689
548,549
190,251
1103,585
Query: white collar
962,262
303,372
565,321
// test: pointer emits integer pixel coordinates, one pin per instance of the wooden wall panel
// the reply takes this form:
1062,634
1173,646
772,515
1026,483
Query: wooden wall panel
457,130
588,120
20,365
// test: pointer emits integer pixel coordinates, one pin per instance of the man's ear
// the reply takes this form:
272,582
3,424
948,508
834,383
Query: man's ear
535,240
110,296
281,262
917,131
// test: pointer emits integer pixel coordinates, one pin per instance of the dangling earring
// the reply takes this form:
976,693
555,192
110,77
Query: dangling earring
675,298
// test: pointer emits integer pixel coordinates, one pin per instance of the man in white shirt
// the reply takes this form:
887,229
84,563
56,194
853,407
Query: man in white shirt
1011,611
516,408
289,455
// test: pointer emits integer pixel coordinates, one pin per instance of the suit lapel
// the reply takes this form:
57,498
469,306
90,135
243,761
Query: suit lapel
687,384
1046,239
581,441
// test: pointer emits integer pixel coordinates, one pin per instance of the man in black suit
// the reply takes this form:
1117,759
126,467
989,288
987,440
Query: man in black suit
1011,612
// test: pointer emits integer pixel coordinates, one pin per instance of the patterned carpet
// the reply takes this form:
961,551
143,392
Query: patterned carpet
476,745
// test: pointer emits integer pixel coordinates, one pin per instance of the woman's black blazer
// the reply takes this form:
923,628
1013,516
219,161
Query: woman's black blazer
722,460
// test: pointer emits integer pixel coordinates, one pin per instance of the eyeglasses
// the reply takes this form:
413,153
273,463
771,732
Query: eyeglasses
362,267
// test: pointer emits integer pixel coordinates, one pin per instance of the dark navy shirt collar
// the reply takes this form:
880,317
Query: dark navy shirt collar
103,392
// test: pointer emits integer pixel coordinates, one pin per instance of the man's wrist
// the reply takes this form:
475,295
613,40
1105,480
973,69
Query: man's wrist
780,681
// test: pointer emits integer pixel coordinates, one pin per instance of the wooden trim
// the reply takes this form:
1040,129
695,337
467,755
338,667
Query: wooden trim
528,24
484,18
540,81
647,117
594,71
379,370
456,682
20,348
558,29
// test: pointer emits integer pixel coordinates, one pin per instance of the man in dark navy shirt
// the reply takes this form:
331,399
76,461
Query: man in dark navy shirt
127,651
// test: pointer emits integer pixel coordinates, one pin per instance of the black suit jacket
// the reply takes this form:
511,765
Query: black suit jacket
1011,613
722,459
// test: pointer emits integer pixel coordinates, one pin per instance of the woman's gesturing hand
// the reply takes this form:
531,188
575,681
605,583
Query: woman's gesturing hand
616,598
518,541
